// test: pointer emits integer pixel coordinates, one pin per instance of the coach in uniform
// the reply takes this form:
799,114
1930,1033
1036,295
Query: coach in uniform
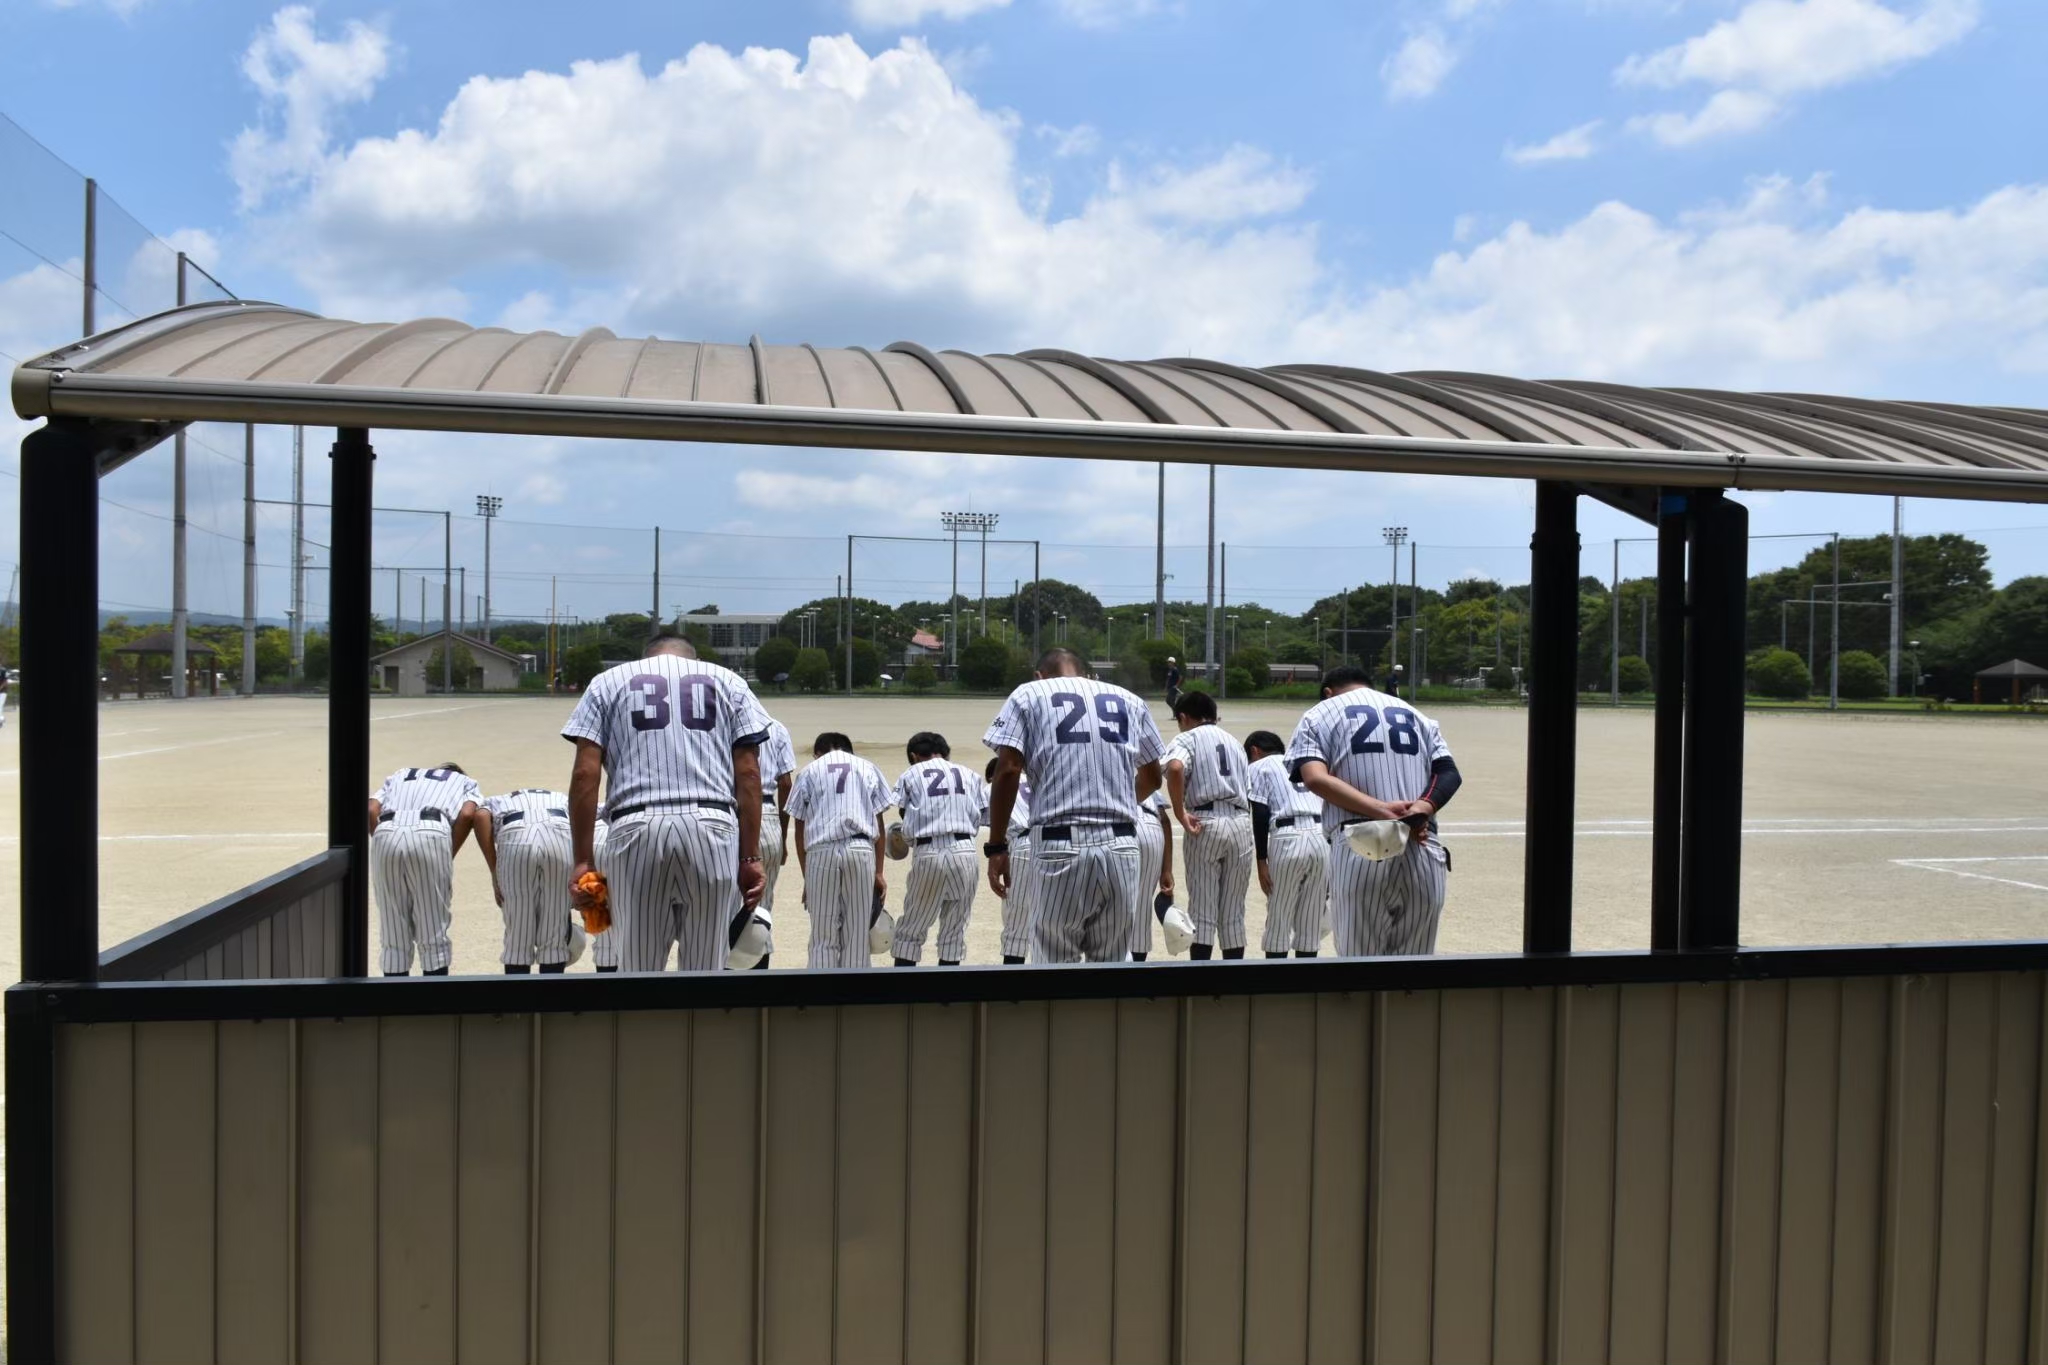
524,837
1294,857
676,740
419,819
1092,753
1205,778
1371,756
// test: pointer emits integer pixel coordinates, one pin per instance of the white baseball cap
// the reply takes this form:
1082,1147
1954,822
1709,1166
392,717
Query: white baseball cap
1378,840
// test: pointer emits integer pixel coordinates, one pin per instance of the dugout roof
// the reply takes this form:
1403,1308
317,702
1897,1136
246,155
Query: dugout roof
262,362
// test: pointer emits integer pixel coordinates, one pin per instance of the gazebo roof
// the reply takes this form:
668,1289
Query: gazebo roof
261,362
159,642
2014,668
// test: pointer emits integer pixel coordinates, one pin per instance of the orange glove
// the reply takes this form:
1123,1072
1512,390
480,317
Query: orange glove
593,897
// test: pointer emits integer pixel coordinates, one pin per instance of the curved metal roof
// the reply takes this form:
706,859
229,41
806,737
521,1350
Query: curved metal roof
259,362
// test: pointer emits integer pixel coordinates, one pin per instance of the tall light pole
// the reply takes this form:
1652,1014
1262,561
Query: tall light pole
1159,564
488,508
1898,586
1396,537
956,522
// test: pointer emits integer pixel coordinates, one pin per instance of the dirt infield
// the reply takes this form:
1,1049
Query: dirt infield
1858,828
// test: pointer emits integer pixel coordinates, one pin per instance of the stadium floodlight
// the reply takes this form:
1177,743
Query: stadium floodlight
956,522
488,508
1396,537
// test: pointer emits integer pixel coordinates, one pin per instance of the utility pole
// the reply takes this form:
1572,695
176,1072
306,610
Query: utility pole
1614,626
488,508
551,633
248,559
1835,632
298,621
462,597
1414,618
849,611
1898,588
956,522
1223,597
1159,563
447,586
1395,536
654,607
1209,614
181,619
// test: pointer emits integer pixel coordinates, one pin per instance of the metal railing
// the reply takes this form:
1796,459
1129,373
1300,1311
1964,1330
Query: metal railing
287,925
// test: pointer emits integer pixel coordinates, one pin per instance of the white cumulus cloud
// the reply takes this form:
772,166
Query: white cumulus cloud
1573,144
1416,68
1772,50
904,13
304,79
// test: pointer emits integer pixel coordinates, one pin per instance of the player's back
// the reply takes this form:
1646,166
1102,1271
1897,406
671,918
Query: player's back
445,790
837,796
1376,742
528,807
668,725
1272,783
939,796
1082,741
1212,766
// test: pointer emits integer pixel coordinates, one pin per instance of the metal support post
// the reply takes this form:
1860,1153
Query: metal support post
348,686
1036,614
1415,608
298,612
1711,862
447,616
1668,744
181,617
1223,605
249,559
1835,632
654,609
1614,630
1209,615
1158,567
1898,591
849,616
91,274
60,633
1553,721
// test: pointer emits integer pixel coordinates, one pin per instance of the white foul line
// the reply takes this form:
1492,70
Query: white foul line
1935,865
440,710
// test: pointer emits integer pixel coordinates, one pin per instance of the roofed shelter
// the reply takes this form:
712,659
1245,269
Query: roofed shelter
1522,1055
2018,672
200,662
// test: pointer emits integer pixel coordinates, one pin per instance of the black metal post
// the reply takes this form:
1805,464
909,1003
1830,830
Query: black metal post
348,688
60,633
1553,721
1668,747
1711,863
31,1178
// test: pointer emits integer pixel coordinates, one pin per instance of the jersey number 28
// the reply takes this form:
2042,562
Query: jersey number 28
1402,735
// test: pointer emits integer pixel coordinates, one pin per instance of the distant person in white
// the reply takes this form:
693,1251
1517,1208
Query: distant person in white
1092,753
677,741
524,837
1016,932
1155,869
1293,853
1205,778
778,770
837,803
1372,756
419,819
942,805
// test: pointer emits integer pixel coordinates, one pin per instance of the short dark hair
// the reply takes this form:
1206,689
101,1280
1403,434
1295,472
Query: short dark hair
1265,741
668,642
455,768
829,740
1200,705
925,743
1345,675
1060,660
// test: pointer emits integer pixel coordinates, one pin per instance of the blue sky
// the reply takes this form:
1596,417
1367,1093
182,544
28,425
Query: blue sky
1833,195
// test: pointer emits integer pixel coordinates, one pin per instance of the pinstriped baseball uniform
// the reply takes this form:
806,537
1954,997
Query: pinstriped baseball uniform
1151,856
778,756
668,726
1219,859
942,804
1384,747
531,830
1016,938
604,947
837,797
412,863
1083,741
1297,856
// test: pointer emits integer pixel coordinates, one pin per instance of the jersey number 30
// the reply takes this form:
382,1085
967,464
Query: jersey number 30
698,696
1402,735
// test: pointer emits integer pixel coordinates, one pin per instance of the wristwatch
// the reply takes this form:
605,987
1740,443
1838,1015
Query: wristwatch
994,847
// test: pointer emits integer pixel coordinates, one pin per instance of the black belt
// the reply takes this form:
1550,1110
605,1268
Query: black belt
1122,829
621,812
1284,821
512,816
424,813
1212,805
934,838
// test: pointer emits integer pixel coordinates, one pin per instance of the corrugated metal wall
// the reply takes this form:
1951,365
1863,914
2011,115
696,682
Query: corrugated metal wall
300,941
1794,1171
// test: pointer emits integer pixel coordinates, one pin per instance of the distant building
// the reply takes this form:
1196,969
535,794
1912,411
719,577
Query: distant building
735,638
405,670
923,647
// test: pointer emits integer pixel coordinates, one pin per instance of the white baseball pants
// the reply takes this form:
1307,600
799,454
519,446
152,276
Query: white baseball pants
412,867
1387,909
534,863
770,847
672,875
1219,872
1151,853
1016,939
604,947
940,886
1298,856
1081,892
839,892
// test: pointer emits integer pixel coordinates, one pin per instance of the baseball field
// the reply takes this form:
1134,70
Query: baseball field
1857,828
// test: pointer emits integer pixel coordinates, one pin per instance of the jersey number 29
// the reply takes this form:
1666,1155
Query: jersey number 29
1072,727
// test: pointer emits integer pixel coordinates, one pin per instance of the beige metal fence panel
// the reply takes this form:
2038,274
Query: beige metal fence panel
419,1164
252,1218
869,1164
1147,1178
1521,1255
1467,1175
96,1193
938,1203
1080,1189
175,1160
1750,1182
1213,1227
2016,1137
1401,1223
573,1171
1919,1016
726,1112
1638,1322
1810,1149
338,1205
494,1210
1582,1199
1699,1092
1861,1084
1010,1254
650,1195
799,1232
1279,1195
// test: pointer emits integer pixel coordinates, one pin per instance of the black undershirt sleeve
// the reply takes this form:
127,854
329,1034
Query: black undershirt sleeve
1444,781
1262,820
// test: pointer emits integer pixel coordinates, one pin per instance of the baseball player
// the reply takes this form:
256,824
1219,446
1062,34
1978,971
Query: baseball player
778,770
676,740
942,806
524,837
419,819
1016,936
1294,857
1205,779
604,947
1092,753
837,802
1371,756
1155,868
